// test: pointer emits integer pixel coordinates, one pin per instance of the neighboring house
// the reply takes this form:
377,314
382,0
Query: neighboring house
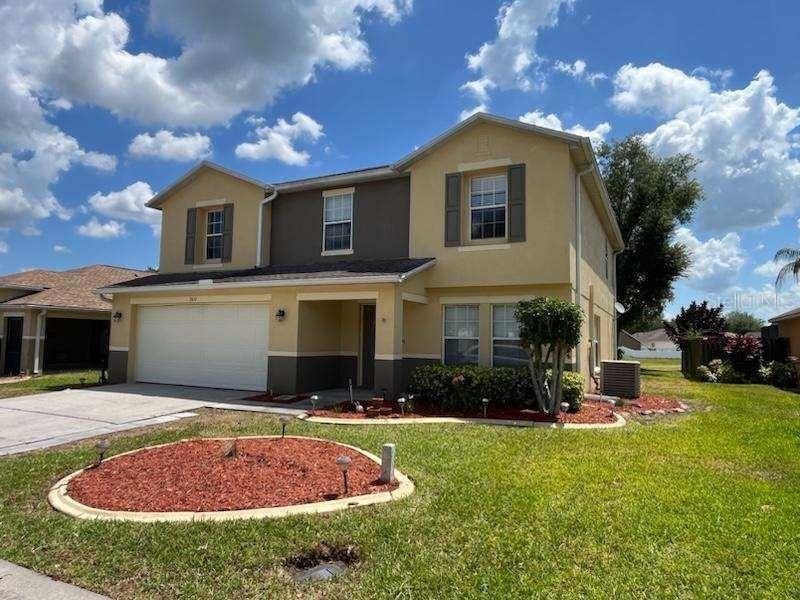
626,340
365,275
56,319
786,325
655,344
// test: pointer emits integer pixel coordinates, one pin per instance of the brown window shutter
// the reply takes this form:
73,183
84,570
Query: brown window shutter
191,235
452,209
227,232
516,203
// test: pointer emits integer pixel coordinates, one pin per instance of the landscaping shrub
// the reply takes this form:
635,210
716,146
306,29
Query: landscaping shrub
728,374
744,355
704,373
780,374
462,387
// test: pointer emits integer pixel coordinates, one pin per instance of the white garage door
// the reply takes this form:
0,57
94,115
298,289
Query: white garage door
207,345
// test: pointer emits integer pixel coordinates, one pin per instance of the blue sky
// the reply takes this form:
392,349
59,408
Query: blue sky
102,104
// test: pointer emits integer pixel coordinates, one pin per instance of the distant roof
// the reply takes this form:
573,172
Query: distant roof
337,179
72,289
352,271
655,335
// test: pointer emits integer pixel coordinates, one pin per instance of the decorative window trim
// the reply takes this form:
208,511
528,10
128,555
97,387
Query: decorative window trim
496,338
221,212
473,209
446,337
326,195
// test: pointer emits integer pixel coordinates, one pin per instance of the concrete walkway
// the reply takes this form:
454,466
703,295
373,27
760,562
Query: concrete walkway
18,583
43,420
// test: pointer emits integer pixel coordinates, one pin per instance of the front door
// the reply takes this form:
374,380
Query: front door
13,345
368,346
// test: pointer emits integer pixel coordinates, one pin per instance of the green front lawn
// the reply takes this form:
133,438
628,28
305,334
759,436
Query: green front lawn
49,382
700,505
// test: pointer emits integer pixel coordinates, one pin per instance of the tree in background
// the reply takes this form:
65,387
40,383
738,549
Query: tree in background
791,258
651,197
696,320
738,321
549,328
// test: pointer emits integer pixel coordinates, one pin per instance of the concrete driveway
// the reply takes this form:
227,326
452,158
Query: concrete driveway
43,420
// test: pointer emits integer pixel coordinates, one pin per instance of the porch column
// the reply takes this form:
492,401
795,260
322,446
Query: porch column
389,341
38,342
283,343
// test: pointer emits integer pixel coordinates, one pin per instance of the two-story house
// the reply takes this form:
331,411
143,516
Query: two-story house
364,275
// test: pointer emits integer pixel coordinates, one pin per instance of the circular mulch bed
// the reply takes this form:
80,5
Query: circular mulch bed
194,475
591,413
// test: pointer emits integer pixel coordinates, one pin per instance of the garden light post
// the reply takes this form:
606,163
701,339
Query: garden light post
285,420
314,399
344,465
101,446
401,402
485,403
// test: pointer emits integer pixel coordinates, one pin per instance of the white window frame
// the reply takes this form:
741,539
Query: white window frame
500,338
221,213
337,194
446,337
473,209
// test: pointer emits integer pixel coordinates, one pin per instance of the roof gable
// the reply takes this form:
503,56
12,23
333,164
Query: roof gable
157,200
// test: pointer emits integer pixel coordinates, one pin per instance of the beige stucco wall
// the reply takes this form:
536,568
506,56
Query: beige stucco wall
597,287
209,185
544,257
790,328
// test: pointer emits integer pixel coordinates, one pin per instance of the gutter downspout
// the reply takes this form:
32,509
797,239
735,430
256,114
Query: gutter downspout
264,202
578,249
616,314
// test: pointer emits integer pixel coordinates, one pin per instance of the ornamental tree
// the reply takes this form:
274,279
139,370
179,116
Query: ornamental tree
548,329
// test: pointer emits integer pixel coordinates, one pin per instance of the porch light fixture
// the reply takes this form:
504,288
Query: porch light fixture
117,317
344,465
285,420
485,403
280,315
102,447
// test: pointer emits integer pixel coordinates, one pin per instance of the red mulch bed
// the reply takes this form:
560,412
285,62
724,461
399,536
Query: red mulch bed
591,412
647,404
195,476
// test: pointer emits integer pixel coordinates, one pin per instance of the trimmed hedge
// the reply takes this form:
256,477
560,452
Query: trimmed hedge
462,387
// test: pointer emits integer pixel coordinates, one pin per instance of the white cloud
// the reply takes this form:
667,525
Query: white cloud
510,60
716,262
278,141
4,248
34,152
551,121
108,230
234,56
577,70
657,88
165,145
31,231
128,204
61,249
769,269
760,247
750,169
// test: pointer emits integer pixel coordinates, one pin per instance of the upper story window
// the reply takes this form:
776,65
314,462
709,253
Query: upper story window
461,335
487,206
507,350
214,234
337,223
